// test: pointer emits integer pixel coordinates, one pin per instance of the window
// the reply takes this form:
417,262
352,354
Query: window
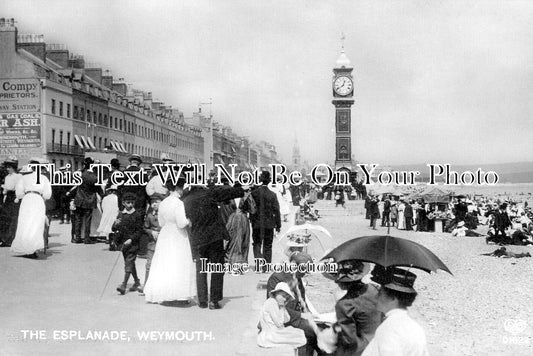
120,125
81,114
61,163
68,111
88,115
60,137
68,138
53,136
116,122
100,119
105,142
60,108
105,120
75,113
53,106
99,143
94,117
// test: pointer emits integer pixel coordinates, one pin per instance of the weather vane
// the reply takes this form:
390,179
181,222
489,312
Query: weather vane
343,37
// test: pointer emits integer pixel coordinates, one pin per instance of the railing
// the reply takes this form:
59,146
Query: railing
62,148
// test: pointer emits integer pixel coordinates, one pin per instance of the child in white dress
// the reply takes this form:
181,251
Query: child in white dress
273,318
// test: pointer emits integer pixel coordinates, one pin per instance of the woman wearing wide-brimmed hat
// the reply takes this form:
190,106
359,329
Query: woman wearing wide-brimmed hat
357,316
33,190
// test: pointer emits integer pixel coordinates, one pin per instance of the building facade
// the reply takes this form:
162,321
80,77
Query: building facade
53,105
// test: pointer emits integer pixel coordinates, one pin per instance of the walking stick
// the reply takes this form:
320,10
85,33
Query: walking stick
109,277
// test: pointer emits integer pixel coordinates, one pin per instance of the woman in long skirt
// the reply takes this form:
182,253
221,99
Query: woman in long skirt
29,237
238,227
401,217
172,272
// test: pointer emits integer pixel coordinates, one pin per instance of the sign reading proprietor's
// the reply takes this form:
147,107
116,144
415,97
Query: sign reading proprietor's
19,95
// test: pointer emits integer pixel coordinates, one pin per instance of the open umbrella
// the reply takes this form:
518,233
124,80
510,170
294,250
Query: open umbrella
388,251
315,237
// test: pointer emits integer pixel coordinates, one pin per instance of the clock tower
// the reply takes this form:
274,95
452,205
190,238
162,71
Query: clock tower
342,89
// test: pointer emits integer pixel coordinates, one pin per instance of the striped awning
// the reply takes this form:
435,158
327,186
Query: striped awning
85,144
122,147
114,145
79,141
91,144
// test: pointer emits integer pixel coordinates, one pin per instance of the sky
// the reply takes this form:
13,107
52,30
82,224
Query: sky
435,81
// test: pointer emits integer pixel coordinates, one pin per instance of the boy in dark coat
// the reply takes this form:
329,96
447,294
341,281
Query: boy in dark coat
129,227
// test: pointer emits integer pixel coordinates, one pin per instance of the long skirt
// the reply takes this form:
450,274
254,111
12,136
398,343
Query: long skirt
172,272
238,228
29,237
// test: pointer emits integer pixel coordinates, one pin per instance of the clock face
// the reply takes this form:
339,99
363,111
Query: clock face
343,85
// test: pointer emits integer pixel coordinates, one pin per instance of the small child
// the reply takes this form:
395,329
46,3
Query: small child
129,227
273,318
151,228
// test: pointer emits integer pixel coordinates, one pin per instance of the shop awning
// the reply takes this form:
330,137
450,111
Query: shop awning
91,144
79,141
85,144
114,145
122,147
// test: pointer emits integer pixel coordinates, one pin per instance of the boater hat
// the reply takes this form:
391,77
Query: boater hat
282,286
461,224
400,280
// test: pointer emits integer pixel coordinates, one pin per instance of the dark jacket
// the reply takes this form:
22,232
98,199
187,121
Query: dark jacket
408,211
201,207
131,226
139,190
358,320
85,197
267,215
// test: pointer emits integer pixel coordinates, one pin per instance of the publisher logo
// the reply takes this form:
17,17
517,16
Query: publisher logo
517,328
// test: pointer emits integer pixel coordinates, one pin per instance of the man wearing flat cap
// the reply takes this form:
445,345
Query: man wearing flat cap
399,334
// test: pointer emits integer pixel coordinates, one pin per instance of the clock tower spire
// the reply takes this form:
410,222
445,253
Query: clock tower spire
342,89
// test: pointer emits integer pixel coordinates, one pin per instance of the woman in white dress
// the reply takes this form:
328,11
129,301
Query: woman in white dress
173,272
29,237
401,218
109,212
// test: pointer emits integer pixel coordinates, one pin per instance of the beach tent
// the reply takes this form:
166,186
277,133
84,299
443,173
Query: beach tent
435,195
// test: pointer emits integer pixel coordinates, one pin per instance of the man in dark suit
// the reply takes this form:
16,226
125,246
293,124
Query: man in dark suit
501,222
408,214
265,220
85,201
207,235
385,220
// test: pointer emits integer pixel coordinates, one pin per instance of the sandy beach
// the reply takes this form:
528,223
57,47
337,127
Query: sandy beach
480,310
